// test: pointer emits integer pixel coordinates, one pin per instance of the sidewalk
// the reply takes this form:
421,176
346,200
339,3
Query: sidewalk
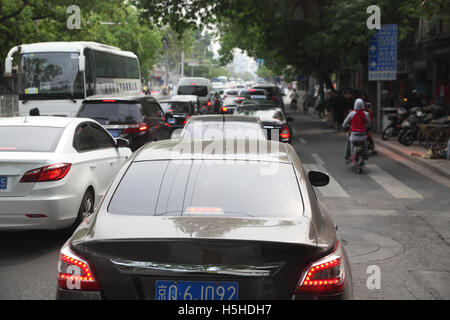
415,153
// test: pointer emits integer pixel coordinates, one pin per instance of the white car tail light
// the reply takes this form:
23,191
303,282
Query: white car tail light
75,273
54,172
325,276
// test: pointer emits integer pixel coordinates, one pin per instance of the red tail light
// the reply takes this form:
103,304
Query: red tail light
109,101
136,128
273,98
325,276
75,273
285,133
209,103
224,109
186,119
54,172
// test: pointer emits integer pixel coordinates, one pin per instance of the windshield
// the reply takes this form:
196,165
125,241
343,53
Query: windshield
47,75
175,107
29,139
226,187
112,113
223,130
201,91
265,114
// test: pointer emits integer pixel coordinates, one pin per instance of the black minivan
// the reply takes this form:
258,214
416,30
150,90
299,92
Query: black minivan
139,119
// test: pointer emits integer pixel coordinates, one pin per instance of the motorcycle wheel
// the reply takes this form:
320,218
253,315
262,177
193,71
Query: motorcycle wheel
408,139
401,134
387,133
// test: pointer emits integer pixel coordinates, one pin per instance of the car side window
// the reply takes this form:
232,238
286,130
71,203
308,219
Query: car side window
148,110
84,139
102,138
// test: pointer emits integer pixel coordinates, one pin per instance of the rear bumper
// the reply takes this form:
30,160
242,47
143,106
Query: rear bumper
62,294
60,211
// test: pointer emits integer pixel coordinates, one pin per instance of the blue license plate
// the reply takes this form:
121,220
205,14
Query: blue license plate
3,183
171,120
196,290
114,133
257,97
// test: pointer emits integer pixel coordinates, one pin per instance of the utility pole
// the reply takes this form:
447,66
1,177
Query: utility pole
164,41
182,63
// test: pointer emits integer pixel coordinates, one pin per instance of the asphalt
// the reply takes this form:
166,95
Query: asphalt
394,218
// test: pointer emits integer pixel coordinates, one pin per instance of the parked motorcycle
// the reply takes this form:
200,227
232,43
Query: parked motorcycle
395,125
410,128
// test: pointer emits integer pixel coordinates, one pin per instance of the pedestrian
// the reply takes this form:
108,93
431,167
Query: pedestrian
330,105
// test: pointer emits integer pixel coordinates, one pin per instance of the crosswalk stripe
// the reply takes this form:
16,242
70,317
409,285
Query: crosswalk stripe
333,189
390,184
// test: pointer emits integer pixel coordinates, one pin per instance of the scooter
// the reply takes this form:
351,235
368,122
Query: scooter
411,128
358,156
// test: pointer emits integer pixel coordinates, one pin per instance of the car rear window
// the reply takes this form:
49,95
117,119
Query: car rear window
29,139
201,91
221,130
270,90
253,93
263,113
112,113
175,107
184,187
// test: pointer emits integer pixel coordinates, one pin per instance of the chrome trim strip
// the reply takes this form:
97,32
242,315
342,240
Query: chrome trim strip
138,267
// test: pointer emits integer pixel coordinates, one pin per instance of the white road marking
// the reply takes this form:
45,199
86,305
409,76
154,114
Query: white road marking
390,184
317,159
302,141
333,189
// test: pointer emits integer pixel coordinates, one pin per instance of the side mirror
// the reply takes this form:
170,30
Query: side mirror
81,63
122,143
8,66
290,119
318,179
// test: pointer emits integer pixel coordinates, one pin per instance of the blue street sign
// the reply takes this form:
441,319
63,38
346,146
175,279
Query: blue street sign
383,53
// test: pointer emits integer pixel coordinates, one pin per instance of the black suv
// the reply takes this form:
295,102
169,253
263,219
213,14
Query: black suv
139,119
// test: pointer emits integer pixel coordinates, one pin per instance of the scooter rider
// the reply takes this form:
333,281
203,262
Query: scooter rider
360,123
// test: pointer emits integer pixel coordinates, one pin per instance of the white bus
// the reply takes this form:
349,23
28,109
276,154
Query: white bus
56,77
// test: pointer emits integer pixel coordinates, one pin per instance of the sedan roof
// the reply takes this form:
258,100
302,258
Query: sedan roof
40,121
265,151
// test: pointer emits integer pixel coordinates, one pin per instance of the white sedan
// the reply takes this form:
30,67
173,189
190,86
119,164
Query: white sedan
54,170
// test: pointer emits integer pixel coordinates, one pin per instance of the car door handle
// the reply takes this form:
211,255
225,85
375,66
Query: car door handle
112,162
92,166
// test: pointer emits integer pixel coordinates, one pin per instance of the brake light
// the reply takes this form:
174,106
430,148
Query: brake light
54,172
136,128
186,119
285,133
325,276
209,103
224,109
75,273
109,101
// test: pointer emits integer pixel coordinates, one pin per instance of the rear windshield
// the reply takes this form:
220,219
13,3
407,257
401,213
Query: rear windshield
112,113
270,90
263,113
201,91
175,107
206,187
253,93
221,130
29,139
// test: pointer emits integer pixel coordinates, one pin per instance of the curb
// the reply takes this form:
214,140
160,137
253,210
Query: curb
422,162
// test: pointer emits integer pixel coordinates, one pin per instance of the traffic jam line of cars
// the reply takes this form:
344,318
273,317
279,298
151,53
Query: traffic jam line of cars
157,216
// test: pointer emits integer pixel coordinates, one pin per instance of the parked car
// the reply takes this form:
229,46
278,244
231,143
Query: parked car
222,126
274,93
273,119
200,87
223,231
177,112
139,119
54,170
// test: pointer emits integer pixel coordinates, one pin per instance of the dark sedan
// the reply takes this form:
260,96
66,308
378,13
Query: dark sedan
177,113
246,227
274,120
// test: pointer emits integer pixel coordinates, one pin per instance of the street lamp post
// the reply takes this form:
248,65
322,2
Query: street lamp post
164,42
